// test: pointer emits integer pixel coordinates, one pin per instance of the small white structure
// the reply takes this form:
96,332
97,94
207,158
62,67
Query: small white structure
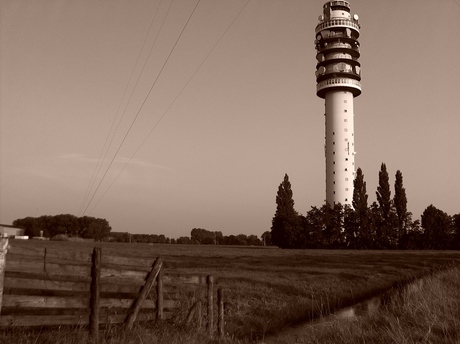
338,76
7,231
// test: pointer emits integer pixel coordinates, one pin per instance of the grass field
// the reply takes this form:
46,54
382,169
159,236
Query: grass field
424,313
269,289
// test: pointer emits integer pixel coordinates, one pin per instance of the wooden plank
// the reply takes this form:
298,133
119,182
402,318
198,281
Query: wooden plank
32,301
220,312
94,301
210,297
136,275
173,278
48,268
57,320
126,303
144,292
40,252
48,277
35,270
44,320
24,283
159,289
130,262
3,253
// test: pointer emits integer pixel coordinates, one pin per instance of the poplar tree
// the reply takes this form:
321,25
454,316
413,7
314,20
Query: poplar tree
357,223
359,192
400,204
383,193
285,223
385,234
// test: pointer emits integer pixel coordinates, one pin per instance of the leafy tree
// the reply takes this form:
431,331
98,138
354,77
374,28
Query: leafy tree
285,224
400,204
437,227
184,240
412,239
350,228
29,224
333,236
456,230
266,238
253,240
202,236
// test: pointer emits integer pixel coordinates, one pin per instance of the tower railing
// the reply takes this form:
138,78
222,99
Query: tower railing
337,22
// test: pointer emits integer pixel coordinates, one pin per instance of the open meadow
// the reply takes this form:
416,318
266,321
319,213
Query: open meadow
268,289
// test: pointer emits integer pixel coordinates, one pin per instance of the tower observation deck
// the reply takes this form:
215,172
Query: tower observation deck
338,76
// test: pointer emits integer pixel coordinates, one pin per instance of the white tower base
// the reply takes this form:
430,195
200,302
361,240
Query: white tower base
340,161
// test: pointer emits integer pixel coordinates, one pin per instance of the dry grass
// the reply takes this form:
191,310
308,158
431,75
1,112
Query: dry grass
268,289
423,313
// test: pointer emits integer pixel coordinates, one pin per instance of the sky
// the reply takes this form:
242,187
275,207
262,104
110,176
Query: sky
162,116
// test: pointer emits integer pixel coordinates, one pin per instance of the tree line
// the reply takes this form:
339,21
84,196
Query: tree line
99,229
65,224
384,224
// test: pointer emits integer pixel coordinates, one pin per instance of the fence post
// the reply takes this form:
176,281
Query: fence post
159,304
210,283
199,314
220,308
144,293
3,249
95,290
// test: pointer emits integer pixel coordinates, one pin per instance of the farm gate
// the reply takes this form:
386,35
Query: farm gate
45,287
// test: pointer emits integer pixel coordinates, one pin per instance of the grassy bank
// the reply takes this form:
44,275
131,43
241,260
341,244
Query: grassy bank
268,289
425,313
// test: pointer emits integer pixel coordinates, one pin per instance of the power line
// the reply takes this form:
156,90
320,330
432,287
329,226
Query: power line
106,147
143,103
170,105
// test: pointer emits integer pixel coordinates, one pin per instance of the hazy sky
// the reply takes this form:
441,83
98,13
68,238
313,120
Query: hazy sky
247,116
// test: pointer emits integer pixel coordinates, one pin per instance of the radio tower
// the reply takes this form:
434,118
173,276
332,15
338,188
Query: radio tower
338,75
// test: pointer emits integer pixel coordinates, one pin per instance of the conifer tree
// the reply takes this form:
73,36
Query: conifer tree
285,224
383,193
385,235
400,204
357,225
359,192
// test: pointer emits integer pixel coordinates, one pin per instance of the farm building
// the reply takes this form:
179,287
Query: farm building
8,231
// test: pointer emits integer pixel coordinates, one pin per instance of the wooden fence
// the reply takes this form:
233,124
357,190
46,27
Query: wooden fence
45,287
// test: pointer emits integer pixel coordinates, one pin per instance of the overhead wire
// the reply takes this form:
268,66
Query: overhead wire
172,103
142,105
106,147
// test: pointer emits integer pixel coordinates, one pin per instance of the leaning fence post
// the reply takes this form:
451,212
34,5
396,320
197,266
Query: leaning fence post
95,290
3,250
220,308
159,304
144,293
210,283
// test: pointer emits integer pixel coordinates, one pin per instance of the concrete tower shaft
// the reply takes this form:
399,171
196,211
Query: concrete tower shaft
338,76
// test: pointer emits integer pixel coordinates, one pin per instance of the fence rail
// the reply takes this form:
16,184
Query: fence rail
45,287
